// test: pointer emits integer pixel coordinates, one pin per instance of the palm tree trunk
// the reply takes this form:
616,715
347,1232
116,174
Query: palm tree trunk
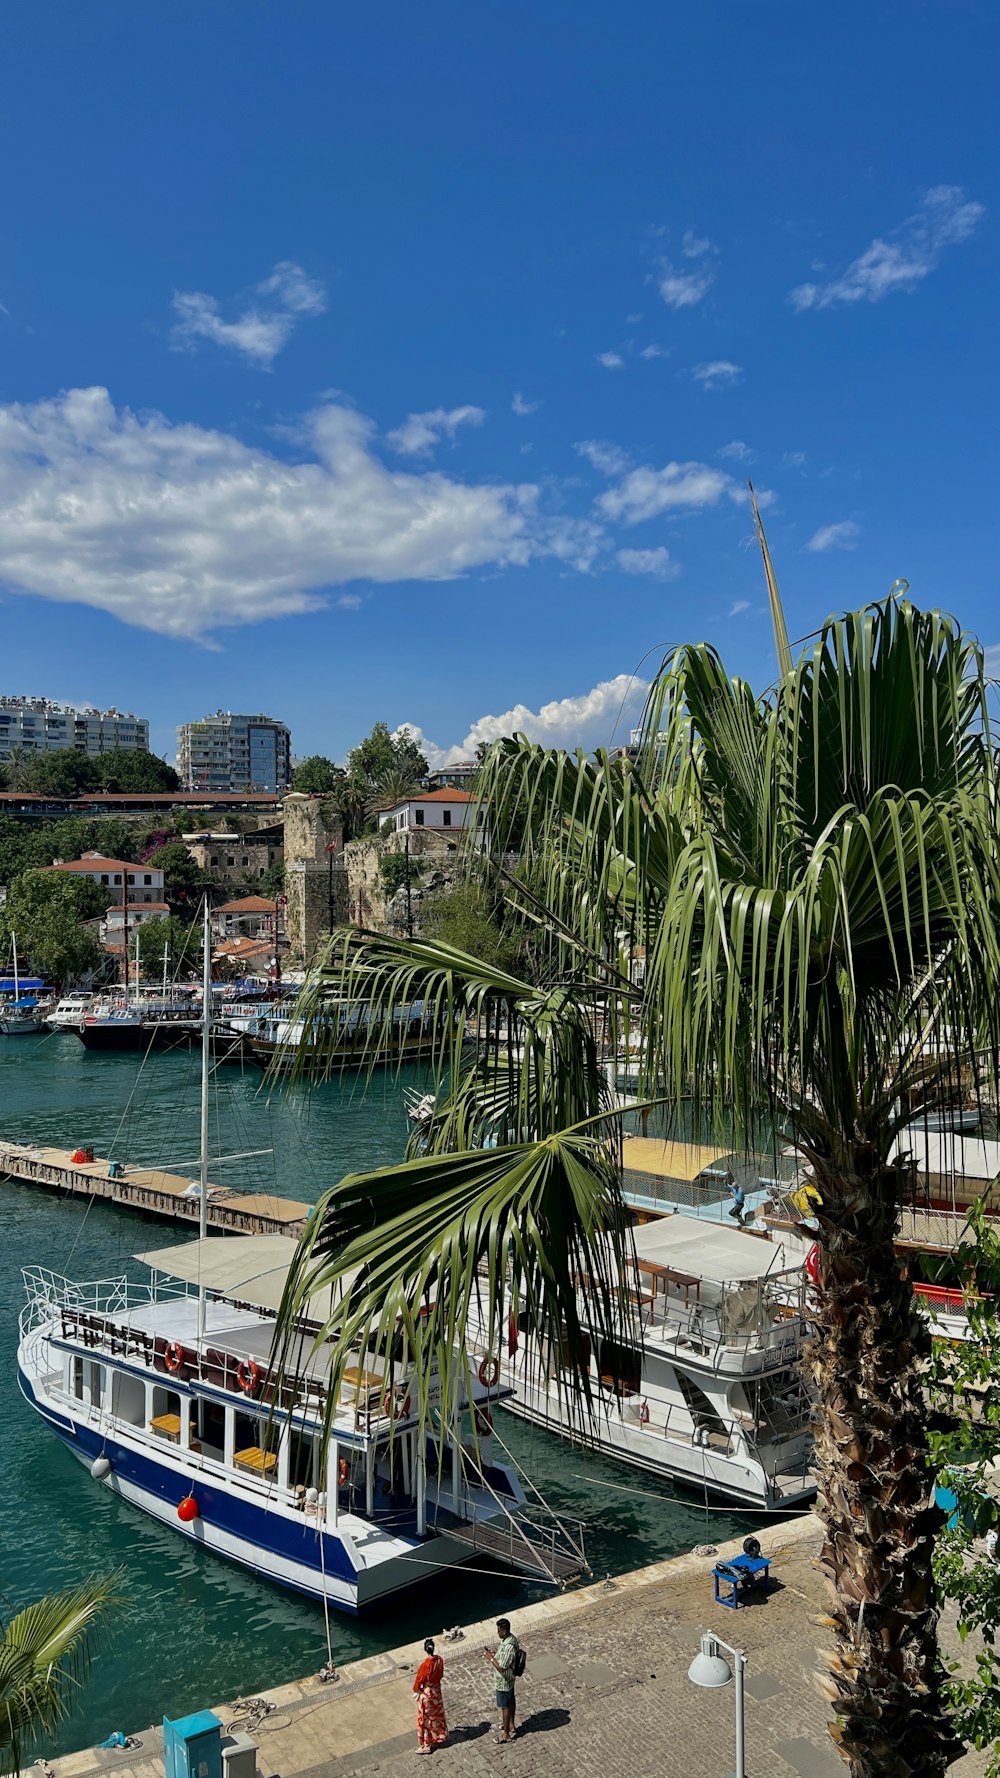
876,1489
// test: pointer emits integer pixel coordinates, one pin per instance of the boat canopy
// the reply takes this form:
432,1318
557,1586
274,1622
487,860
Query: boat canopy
707,1251
245,1268
670,1160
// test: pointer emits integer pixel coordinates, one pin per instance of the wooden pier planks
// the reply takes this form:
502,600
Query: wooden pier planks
147,1189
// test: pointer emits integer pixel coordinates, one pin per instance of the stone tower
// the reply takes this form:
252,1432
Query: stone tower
317,893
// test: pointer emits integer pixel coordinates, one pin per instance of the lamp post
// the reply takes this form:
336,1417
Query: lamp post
710,1669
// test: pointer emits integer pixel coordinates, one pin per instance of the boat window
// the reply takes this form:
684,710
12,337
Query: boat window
302,1463
561,1359
166,1403
128,1398
208,1429
76,1378
95,1383
255,1444
620,1368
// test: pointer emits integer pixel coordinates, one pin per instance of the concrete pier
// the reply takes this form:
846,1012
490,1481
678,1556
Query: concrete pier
170,1196
606,1690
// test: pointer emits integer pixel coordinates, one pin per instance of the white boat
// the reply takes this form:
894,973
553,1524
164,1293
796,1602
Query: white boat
69,1012
19,1017
169,1394
706,1387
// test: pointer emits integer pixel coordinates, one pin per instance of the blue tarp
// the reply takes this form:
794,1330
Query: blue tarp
7,983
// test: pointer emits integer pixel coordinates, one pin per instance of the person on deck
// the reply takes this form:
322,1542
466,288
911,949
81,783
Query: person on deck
432,1727
504,1659
739,1202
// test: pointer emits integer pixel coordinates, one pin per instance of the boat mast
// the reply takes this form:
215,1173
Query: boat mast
125,933
17,984
206,1001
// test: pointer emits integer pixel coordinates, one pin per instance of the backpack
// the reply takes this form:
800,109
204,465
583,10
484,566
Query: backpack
520,1662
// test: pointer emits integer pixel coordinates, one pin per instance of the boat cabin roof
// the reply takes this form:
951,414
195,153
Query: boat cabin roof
704,1250
243,1268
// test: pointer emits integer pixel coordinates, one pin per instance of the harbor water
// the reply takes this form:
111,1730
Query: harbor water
196,1629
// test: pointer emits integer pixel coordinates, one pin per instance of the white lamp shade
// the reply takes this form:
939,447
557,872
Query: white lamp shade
709,1668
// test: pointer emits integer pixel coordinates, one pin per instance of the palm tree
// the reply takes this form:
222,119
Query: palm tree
17,762
814,877
44,1655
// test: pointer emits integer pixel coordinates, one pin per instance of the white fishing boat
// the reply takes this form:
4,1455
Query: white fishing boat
705,1387
70,1011
169,1393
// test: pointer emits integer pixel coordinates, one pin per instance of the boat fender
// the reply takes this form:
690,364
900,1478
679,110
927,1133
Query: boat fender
174,1357
489,1372
247,1376
812,1263
187,1511
644,1414
100,1467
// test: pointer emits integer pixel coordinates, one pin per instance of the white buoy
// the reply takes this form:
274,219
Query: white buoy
100,1467
312,1495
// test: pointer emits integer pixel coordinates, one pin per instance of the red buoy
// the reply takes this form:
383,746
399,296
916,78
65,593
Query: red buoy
188,1509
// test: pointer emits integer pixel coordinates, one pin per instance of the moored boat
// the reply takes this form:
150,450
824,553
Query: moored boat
705,1387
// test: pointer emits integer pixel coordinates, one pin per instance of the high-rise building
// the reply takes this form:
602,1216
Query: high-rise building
227,752
37,725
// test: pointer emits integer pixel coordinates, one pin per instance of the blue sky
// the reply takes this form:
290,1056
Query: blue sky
410,362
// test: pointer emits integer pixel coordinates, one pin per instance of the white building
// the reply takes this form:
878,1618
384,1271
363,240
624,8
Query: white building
227,752
144,881
37,725
435,811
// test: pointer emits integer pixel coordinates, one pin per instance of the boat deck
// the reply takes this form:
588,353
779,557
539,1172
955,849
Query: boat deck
170,1196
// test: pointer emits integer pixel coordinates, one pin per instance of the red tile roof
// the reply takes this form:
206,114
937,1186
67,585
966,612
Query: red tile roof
87,866
429,796
248,904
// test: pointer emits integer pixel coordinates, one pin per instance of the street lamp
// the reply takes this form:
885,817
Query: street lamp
710,1669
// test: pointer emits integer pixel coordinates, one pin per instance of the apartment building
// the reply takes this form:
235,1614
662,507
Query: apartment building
37,725
229,752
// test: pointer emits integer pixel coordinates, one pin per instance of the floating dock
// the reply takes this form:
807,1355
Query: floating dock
170,1196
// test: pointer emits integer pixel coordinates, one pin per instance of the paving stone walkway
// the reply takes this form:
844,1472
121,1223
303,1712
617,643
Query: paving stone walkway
606,1690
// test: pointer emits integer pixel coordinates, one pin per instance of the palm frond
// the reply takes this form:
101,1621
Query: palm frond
45,1654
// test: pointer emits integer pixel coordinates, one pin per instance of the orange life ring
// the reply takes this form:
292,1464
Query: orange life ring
342,1472
489,1372
174,1357
247,1376
484,1422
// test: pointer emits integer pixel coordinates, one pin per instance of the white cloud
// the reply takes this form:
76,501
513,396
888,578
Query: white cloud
263,328
793,460
840,536
945,217
680,289
350,601
719,374
655,352
737,451
611,360
419,433
522,407
607,459
694,246
183,529
656,562
586,721
645,493
738,607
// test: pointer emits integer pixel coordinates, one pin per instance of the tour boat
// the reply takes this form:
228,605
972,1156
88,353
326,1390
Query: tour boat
706,1387
342,1038
169,1393
19,1016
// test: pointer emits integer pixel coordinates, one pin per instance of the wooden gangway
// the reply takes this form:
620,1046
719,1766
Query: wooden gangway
171,1196
524,1547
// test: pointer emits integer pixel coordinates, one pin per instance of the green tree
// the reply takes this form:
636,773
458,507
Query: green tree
272,883
45,1653
316,776
46,911
468,918
381,770
16,765
183,879
61,773
182,942
814,876
131,769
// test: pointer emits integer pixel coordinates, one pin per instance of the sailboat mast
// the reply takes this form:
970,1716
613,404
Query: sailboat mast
206,1002
17,982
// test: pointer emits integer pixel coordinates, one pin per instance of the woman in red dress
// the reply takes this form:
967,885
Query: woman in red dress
432,1729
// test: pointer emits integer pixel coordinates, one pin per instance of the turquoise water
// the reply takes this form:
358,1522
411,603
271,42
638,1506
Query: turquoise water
195,1629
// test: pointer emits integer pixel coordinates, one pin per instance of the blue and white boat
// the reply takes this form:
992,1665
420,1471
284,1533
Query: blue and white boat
167,1391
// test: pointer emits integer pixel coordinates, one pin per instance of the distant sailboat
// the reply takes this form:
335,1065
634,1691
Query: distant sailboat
19,1018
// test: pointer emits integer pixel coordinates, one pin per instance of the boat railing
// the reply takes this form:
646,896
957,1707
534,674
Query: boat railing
102,1298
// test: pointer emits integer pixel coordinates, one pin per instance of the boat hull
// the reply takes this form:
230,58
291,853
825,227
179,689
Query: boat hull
109,1035
289,1551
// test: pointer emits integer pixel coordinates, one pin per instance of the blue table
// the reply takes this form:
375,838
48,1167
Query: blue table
740,1571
